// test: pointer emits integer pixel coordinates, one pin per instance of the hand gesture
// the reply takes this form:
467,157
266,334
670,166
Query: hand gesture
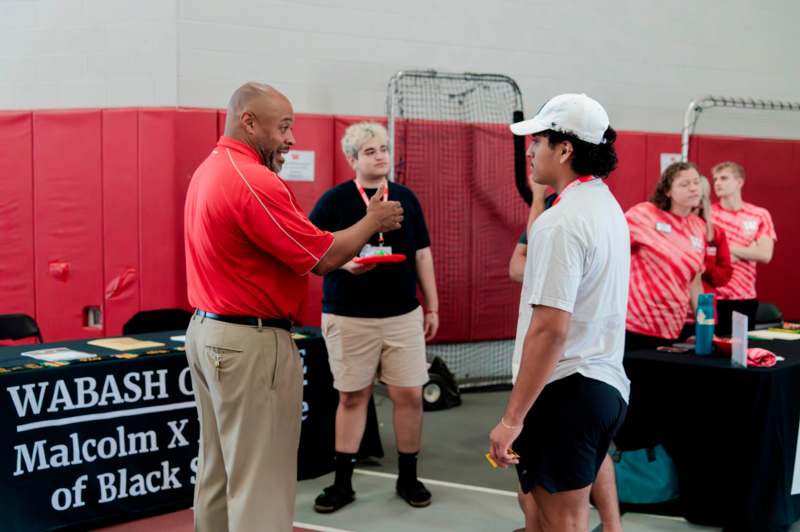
386,214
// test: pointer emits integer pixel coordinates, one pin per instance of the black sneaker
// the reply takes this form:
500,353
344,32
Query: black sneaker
333,498
414,493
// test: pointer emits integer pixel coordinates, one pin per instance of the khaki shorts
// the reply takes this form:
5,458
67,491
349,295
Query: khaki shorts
359,349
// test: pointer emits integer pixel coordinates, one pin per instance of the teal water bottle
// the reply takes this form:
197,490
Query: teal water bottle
704,324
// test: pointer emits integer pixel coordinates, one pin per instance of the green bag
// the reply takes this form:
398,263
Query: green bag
645,476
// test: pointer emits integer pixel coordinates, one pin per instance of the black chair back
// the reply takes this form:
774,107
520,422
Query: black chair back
768,315
18,326
165,319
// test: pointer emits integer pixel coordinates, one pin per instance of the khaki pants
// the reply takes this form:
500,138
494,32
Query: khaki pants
248,385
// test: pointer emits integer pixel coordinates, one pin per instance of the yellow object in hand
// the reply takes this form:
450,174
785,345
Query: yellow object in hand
491,462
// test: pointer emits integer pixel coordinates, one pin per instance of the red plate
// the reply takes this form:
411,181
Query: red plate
723,346
380,259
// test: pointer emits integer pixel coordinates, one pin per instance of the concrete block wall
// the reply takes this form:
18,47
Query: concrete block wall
87,53
645,60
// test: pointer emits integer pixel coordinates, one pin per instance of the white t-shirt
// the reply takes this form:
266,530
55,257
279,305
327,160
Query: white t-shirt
579,261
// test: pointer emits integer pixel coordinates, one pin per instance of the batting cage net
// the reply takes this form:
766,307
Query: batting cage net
451,145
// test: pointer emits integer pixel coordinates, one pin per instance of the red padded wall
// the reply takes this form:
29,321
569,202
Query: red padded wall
161,248
17,287
629,181
315,133
196,136
161,244
120,147
100,196
657,143
772,168
220,122
171,145
441,186
67,172
498,216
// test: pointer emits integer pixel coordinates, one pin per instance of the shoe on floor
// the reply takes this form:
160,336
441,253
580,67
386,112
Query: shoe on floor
333,498
414,493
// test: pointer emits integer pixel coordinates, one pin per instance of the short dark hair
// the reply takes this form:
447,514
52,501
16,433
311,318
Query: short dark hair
659,197
587,158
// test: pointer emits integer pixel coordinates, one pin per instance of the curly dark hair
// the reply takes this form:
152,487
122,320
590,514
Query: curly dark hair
659,197
587,158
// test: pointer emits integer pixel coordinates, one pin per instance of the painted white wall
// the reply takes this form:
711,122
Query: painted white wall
643,59
87,53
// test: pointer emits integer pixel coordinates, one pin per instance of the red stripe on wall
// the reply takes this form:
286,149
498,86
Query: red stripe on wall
17,287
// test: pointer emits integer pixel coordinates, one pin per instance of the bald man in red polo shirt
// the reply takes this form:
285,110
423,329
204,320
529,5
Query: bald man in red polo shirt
249,249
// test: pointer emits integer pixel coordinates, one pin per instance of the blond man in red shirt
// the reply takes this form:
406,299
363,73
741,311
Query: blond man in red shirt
249,250
751,235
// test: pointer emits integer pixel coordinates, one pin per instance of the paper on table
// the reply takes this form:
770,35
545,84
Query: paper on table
55,354
739,340
181,338
773,335
796,476
124,343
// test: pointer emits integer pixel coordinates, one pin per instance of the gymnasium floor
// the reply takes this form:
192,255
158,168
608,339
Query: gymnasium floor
467,494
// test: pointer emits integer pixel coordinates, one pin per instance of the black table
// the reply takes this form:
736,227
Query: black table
116,438
732,432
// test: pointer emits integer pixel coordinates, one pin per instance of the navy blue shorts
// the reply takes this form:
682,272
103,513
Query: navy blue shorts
567,433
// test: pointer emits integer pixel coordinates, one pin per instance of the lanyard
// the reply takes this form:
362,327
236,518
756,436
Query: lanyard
366,200
582,179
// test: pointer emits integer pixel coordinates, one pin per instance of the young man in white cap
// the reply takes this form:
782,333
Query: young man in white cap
571,392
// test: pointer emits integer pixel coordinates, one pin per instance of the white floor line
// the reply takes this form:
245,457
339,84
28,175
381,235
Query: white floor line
667,517
467,487
319,528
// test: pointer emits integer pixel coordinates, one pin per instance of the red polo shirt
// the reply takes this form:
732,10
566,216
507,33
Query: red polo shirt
249,246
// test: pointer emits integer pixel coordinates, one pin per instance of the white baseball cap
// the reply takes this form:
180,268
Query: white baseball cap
575,114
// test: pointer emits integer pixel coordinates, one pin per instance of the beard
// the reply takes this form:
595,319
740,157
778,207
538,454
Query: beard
269,158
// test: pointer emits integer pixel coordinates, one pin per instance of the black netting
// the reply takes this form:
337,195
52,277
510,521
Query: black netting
452,146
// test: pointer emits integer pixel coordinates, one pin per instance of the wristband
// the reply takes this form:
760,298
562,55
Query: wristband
512,427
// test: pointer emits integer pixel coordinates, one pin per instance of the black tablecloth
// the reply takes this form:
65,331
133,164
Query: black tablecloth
116,437
732,432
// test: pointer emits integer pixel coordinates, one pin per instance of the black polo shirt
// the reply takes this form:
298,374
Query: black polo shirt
388,289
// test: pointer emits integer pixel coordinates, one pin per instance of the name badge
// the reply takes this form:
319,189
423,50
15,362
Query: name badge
374,251
711,251
697,243
663,227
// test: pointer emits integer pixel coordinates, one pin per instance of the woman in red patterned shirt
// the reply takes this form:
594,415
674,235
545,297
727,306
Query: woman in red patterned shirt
668,248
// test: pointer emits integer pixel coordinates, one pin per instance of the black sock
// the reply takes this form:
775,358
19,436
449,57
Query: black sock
345,462
407,467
